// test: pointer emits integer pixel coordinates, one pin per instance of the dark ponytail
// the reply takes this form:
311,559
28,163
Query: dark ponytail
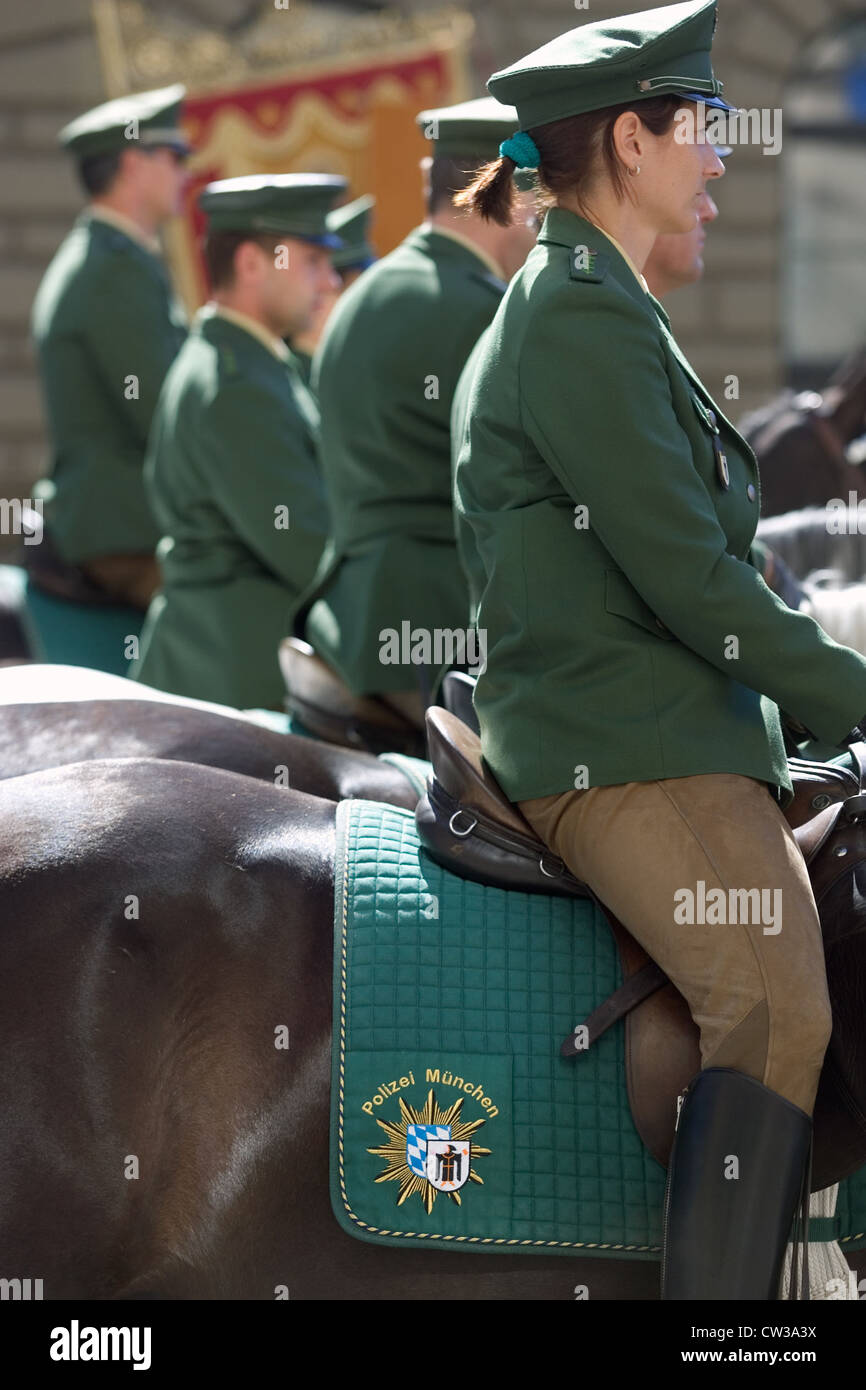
571,152
491,195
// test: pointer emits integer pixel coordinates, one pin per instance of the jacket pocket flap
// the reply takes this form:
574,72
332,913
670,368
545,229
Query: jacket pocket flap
623,600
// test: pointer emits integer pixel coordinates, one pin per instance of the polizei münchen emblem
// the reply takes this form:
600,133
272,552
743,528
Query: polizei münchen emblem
430,1150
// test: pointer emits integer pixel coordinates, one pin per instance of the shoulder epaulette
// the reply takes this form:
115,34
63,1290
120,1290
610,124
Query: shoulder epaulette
588,265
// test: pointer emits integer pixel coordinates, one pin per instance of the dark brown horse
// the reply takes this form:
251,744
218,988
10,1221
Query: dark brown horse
159,922
51,715
801,441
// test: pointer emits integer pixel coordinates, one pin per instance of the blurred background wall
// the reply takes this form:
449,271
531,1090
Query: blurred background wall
784,293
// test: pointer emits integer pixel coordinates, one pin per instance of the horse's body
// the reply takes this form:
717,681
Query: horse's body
160,921
801,441
809,546
52,715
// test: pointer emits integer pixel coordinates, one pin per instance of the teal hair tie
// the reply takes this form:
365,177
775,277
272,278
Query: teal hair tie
522,149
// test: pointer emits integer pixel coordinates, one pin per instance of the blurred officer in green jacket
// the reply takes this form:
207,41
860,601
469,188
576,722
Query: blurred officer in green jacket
351,223
675,261
107,327
384,375
232,470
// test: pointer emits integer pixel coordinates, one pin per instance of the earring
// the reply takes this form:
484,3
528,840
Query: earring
635,170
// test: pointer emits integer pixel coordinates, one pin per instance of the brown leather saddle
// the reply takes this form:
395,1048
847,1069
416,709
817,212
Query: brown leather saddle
320,700
467,824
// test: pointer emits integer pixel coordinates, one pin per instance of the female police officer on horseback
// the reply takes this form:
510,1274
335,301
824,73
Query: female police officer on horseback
637,662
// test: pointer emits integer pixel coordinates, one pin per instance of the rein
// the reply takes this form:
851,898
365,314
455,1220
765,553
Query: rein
812,406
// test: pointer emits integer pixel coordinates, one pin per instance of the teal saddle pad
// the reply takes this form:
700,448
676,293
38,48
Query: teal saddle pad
454,1120
273,720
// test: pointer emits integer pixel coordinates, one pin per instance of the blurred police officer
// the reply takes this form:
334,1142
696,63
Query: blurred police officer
351,223
385,375
232,471
107,328
677,258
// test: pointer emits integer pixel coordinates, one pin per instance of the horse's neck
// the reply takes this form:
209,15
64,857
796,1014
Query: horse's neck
846,406
845,398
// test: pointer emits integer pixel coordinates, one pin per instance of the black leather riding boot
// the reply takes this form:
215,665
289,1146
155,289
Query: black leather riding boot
725,1236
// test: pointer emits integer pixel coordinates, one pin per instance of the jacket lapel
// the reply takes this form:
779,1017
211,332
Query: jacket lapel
564,228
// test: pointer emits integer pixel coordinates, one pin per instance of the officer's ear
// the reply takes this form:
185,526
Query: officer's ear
131,163
627,138
251,262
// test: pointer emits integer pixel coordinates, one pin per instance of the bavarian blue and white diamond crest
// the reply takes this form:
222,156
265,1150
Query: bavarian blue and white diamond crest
416,1144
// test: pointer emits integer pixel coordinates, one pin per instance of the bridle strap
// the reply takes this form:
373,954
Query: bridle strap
813,407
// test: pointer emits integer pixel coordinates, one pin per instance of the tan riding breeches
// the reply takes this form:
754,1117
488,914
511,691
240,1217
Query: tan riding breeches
750,965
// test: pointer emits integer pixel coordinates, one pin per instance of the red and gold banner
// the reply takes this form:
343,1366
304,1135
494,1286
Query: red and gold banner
358,124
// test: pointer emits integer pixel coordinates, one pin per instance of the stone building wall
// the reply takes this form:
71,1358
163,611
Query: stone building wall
49,71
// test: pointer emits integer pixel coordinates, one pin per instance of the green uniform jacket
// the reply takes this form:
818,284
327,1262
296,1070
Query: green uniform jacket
467,549
303,364
104,313
233,447
384,377
633,639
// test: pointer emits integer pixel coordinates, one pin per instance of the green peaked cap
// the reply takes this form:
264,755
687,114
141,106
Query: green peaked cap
285,204
141,119
630,58
351,223
475,128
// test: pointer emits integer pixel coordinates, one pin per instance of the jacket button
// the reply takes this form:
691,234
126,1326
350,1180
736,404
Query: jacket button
750,492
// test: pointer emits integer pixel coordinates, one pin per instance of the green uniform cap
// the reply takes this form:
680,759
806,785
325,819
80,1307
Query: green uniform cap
287,204
654,53
351,223
475,128
141,119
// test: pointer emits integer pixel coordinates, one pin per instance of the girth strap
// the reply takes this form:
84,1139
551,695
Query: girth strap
633,991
